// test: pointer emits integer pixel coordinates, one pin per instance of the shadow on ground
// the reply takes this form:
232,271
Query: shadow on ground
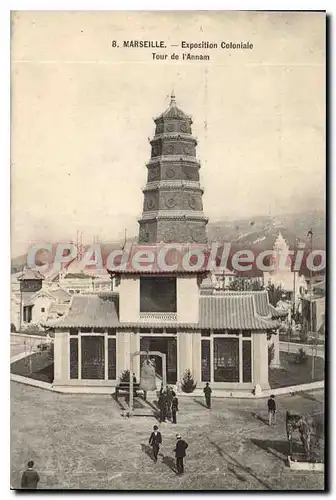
200,403
145,448
258,417
277,448
38,366
170,462
138,404
236,468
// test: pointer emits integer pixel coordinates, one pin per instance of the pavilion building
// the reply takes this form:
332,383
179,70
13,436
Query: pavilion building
221,338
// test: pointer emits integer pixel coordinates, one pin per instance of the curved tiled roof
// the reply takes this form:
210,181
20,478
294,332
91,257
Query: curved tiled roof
30,274
220,312
173,113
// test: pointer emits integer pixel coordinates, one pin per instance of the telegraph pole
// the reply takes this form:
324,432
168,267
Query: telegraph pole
311,307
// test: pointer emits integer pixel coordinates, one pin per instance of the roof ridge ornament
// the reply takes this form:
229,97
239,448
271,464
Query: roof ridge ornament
172,98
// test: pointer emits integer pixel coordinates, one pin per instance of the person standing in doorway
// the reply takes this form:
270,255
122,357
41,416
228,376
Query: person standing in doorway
207,393
174,407
154,441
30,477
271,410
180,453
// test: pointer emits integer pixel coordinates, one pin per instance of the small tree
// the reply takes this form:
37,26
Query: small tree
125,376
188,383
275,294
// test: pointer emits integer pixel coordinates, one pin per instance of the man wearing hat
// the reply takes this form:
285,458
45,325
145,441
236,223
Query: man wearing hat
271,409
155,440
180,453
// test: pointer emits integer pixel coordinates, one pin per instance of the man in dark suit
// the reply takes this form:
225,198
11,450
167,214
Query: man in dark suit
30,478
155,440
207,393
180,453
174,407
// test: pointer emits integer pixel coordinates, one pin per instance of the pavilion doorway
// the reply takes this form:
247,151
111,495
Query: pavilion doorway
166,345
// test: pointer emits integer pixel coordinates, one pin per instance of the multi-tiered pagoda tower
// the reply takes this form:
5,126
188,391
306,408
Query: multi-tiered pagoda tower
173,208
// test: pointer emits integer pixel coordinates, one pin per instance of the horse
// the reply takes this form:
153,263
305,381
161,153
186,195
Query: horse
304,425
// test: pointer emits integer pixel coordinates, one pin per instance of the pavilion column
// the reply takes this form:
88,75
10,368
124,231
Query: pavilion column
260,360
197,355
123,351
184,353
275,363
61,357
135,347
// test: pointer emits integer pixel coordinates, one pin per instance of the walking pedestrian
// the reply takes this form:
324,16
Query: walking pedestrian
155,440
174,407
30,477
180,453
207,393
162,407
271,409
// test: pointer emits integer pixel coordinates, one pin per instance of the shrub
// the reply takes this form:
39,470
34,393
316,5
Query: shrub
188,383
13,328
301,357
125,376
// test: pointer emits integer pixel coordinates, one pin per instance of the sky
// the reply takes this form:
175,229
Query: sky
82,112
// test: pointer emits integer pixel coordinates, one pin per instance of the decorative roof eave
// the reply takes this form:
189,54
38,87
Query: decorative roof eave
173,215
277,313
173,136
173,186
61,324
174,158
157,272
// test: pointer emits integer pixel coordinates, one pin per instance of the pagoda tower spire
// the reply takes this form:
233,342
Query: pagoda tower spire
173,207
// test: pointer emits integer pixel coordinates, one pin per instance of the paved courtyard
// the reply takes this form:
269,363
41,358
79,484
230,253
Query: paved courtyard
81,441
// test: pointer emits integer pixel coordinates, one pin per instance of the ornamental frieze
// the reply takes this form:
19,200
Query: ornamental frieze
151,202
144,233
170,201
154,174
175,148
156,150
195,202
170,173
159,129
191,174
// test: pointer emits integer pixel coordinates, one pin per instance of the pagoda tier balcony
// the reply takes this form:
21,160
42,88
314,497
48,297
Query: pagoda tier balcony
174,158
174,136
173,186
174,214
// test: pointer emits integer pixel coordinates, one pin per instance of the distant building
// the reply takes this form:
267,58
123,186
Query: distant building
284,277
32,303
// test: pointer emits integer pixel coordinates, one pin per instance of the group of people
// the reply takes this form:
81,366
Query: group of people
168,405
155,442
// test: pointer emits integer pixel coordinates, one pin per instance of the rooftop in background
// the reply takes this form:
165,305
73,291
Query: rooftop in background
30,274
